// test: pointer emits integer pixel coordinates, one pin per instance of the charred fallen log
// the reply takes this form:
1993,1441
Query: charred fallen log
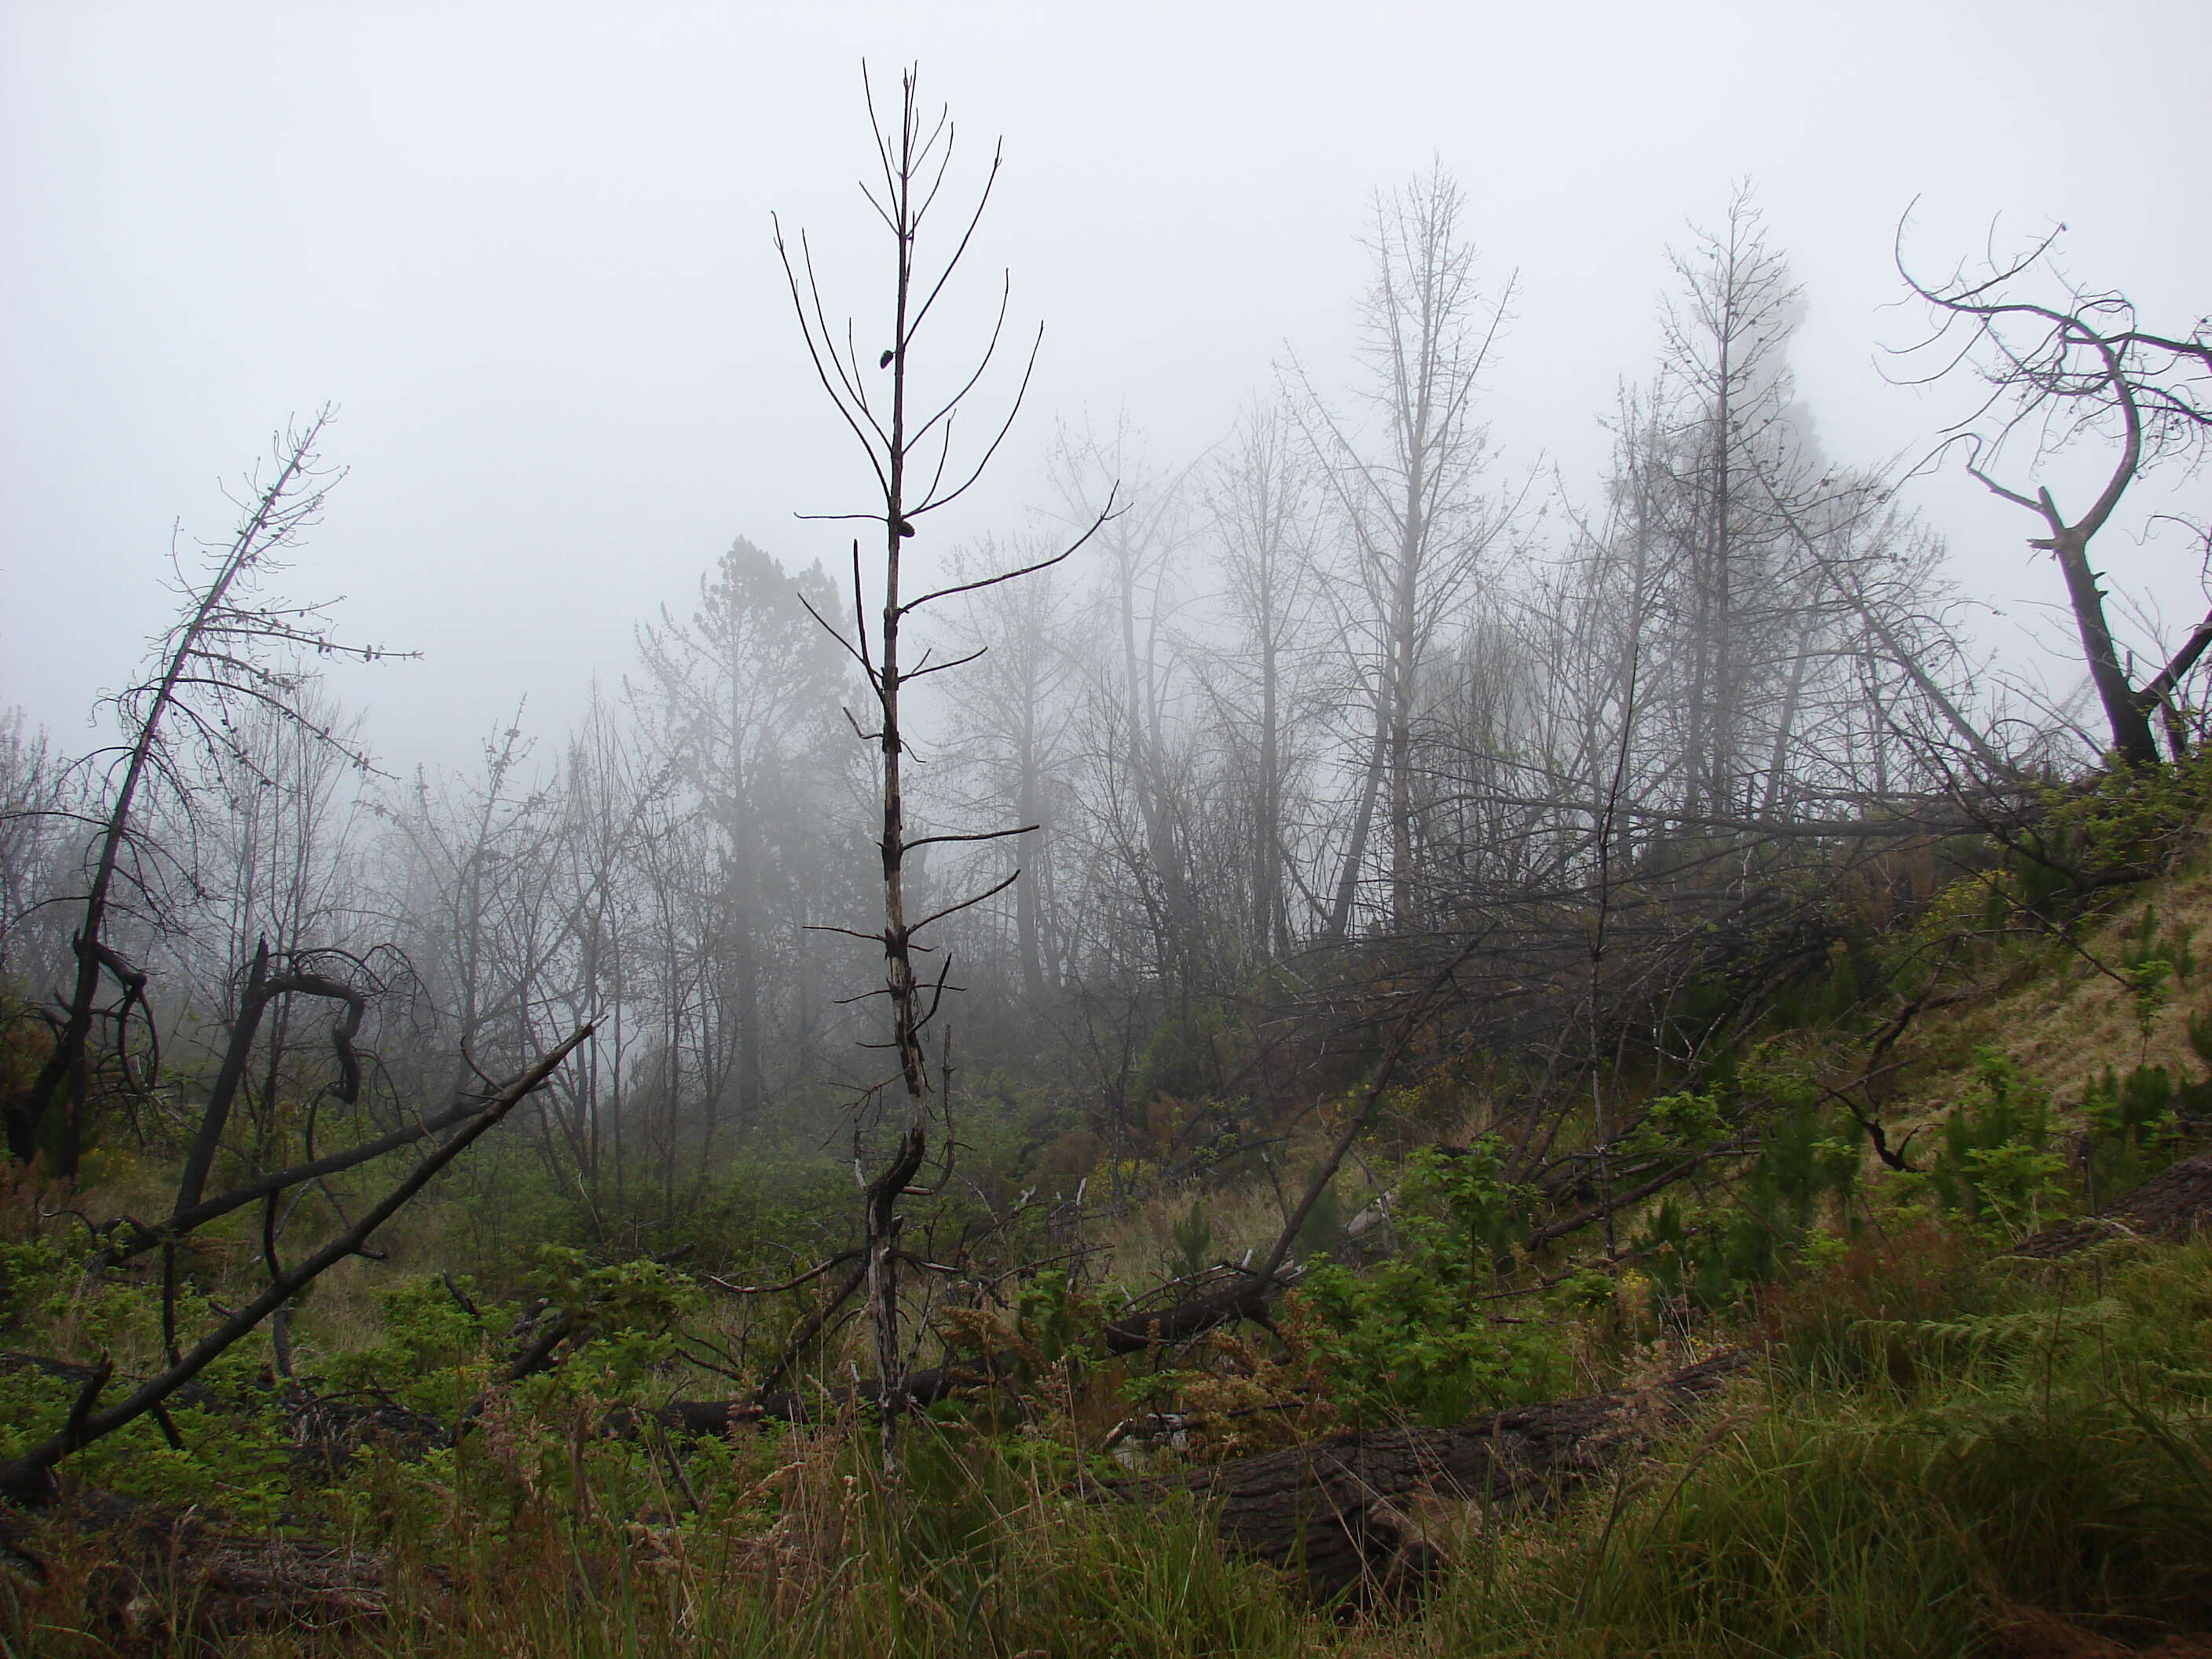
1245,1298
703,1418
161,1576
328,1429
1343,1513
2172,1205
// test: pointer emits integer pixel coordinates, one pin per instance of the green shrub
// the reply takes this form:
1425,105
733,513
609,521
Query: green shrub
233,1451
1994,1169
2135,1126
1413,1338
435,1355
1711,1254
1192,1236
1052,1318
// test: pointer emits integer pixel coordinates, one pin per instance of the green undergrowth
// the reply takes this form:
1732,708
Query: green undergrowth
1939,1450
797,1547
1942,1455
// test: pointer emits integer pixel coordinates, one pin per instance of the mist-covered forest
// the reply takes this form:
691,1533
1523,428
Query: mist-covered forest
1332,1041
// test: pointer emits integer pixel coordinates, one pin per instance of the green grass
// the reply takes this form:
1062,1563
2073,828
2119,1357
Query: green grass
1938,1447
1906,1486
1934,1446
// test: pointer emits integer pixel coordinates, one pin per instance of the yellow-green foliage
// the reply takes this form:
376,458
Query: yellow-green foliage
1413,1337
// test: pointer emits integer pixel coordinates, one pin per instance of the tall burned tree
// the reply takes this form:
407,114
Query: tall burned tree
38,799
2070,368
1017,709
276,857
906,429
1136,683
745,696
1405,495
231,649
1262,502
1733,442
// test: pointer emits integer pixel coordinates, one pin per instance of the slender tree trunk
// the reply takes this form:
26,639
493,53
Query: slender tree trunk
1778,759
1362,821
66,1072
1029,809
1404,643
912,156
1177,921
1720,784
1270,919
753,1040
882,1219
2123,712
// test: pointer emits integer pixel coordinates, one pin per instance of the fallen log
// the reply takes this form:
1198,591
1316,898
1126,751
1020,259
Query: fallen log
704,1419
1343,1513
1245,1298
328,1429
2171,1206
161,1576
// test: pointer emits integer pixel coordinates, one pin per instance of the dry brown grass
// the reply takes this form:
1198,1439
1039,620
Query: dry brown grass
2065,1021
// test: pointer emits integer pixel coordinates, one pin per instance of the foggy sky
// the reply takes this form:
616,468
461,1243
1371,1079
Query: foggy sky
525,249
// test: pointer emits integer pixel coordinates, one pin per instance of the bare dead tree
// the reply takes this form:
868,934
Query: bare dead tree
1018,711
743,701
1137,674
39,800
908,436
1261,501
1408,501
1728,333
231,649
2064,372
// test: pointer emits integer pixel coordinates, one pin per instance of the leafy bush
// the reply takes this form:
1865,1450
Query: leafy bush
1672,1125
1994,1169
435,1356
1413,1338
1712,1254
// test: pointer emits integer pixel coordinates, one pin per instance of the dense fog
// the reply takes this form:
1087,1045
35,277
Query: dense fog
1498,462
